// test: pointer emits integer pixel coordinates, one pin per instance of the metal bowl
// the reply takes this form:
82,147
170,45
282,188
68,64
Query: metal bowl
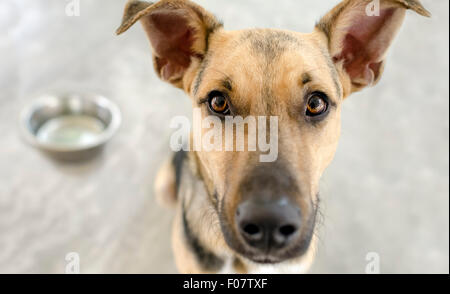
70,126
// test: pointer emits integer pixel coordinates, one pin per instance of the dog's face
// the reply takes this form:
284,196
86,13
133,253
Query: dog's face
267,210
285,75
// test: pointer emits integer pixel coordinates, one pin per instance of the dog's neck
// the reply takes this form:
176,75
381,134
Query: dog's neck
199,170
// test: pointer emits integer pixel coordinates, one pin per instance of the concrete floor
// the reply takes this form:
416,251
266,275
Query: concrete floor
387,190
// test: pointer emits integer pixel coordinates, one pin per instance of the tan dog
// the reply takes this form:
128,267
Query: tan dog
235,213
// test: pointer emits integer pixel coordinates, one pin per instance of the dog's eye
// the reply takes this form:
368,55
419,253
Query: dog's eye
218,103
317,104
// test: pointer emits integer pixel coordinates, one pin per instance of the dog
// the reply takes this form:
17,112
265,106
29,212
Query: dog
234,213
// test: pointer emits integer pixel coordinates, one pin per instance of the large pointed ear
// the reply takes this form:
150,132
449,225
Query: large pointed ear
359,33
178,31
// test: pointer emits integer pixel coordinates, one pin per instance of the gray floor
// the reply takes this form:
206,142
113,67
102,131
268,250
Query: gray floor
387,190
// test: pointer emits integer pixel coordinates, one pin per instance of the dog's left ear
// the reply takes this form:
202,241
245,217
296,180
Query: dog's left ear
178,31
359,33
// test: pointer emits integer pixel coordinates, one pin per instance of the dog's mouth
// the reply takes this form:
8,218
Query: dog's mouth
273,255
264,259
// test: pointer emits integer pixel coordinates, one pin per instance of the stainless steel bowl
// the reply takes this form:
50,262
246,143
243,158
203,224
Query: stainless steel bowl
70,126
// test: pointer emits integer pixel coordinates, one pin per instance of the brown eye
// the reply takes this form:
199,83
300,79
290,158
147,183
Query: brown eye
317,104
218,103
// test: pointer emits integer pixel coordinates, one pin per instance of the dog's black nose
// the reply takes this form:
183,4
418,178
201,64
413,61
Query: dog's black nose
268,226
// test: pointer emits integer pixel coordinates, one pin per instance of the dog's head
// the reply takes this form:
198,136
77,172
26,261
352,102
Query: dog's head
267,209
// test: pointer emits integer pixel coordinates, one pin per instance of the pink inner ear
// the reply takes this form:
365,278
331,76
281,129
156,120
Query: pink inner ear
172,40
365,44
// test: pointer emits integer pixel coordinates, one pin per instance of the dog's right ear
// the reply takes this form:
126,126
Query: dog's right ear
178,31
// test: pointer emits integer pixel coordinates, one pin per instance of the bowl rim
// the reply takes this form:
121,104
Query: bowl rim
45,99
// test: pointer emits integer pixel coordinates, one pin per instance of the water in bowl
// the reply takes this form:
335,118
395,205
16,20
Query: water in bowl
71,131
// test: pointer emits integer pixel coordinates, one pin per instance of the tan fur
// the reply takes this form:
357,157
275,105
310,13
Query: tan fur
267,70
184,259
164,185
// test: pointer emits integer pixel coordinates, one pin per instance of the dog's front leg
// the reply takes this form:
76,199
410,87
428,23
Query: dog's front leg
185,259
189,254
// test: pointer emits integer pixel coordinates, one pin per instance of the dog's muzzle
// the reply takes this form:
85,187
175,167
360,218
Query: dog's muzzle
268,224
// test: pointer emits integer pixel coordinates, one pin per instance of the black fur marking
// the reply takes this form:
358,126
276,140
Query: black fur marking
199,78
227,84
269,43
205,258
177,163
306,78
209,32
333,71
205,62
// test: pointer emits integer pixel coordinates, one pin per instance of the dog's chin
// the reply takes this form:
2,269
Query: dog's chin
263,259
